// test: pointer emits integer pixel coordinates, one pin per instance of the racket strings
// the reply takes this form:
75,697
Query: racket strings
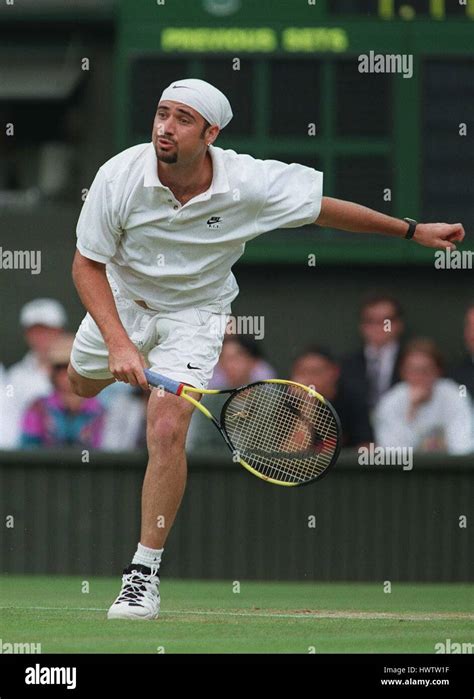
279,447
282,430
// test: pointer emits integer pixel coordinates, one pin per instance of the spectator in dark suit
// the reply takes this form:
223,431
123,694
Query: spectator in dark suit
374,368
463,373
317,368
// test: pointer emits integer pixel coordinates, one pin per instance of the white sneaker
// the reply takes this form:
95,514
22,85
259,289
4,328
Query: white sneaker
139,597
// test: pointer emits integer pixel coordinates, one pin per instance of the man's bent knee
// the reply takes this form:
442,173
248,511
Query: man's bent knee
83,387
168,420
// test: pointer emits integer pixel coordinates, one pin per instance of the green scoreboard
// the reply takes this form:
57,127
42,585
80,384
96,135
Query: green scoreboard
378,94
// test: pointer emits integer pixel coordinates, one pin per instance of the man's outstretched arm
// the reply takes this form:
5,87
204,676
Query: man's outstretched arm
347,216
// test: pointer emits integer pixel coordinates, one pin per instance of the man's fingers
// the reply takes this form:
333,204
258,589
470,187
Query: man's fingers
458,232
136,377
127,375
141,376
132,379
449,234
455,232
446,244
120,376
141,379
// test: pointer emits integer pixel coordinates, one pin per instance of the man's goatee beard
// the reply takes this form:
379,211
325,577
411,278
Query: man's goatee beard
166,158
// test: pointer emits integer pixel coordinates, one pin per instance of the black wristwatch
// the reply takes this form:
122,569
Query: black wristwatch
412,224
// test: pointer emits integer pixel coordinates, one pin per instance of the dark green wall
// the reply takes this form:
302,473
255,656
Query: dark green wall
373,523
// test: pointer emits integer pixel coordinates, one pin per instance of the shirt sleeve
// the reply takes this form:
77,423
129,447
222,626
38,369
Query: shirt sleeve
98,230
293,196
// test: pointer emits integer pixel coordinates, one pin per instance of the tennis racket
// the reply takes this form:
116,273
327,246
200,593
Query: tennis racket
281,431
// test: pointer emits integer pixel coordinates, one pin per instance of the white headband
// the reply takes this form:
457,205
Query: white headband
206,99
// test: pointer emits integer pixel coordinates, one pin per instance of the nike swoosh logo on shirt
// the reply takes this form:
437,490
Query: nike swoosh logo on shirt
192,367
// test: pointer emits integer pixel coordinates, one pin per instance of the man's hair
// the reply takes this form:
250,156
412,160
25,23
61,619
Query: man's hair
205,127
317,350
251,346
375,298
425,346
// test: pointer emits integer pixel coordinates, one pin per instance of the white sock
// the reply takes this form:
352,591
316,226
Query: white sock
147,557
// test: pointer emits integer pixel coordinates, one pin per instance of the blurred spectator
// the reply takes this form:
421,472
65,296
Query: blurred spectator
316,367
43,321
374,368
464,372
125,421
241,362
62,418
424,411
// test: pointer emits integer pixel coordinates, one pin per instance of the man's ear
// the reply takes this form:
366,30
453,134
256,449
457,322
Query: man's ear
212,134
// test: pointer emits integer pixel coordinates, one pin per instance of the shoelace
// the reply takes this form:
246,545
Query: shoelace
137,587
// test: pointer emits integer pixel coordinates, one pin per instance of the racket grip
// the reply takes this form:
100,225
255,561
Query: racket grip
155,379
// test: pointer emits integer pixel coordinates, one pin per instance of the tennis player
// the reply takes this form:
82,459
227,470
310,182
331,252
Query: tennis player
157,237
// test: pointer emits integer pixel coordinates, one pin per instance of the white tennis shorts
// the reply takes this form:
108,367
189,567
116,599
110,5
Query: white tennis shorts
183,345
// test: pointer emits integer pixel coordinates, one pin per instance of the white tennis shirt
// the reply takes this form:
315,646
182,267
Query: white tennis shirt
173,256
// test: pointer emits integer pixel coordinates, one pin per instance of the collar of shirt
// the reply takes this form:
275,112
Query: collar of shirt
219,184
386,351
385,357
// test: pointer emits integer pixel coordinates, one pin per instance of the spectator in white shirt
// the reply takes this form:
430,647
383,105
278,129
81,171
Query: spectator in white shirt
43,321
424,411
